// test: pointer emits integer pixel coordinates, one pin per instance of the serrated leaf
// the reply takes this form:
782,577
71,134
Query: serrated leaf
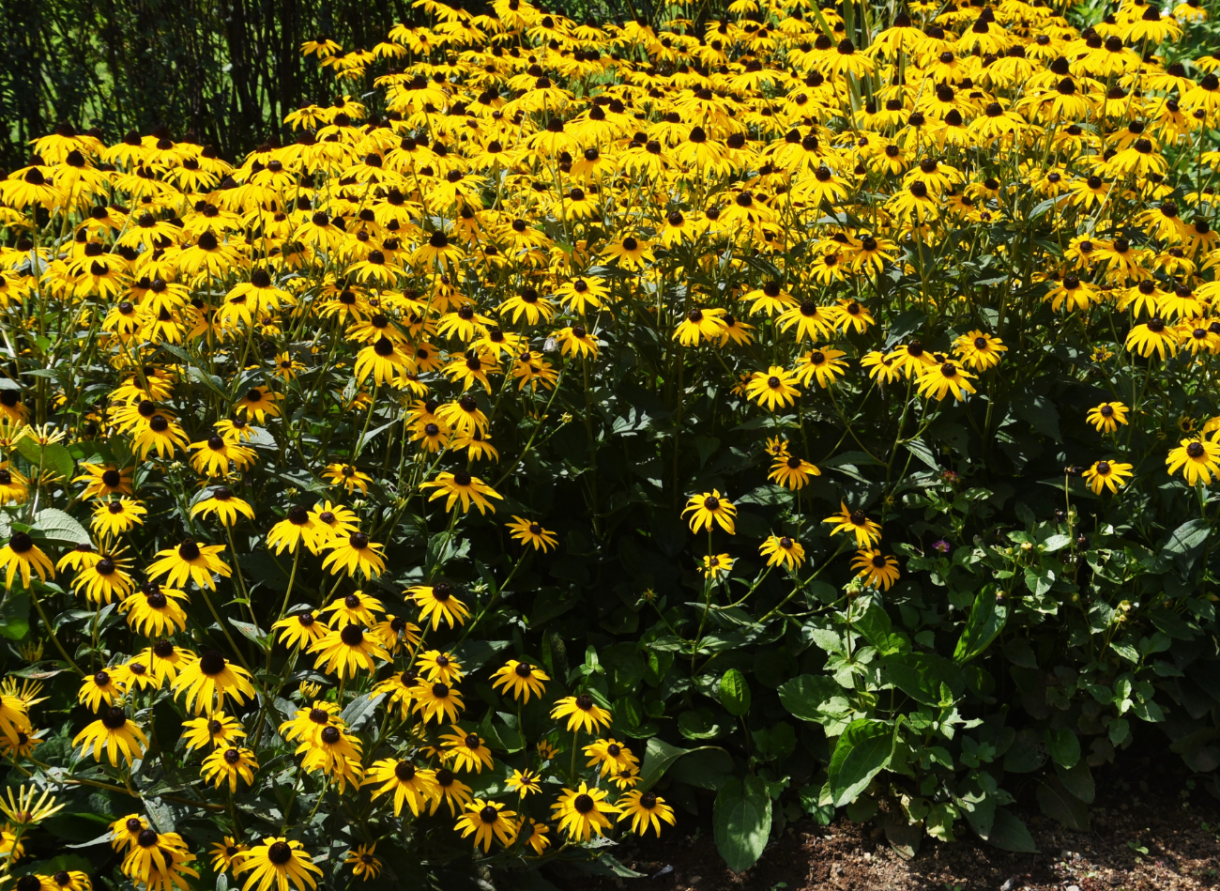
55,525
862,752
742,821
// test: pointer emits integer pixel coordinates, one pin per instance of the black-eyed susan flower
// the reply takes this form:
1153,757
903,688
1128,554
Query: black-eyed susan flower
438,701
534,834
451,792
22,556
823,365
155,611
714,566
583,811
487,820
356,608
1197,459
276,860
773,389
347,651
610,756
938,381
782,550
461,486
14,487
529,532
353,554
206,682
348,477
223,505
212,456
979,350
190,561
524,782
115,734
227,852
1107,416
159,860
1110,475
521,679
855,522
364,862
114,518
439,666
875,568
438,603
229,764
708,509
214,730
582,712
464,751
105,579
300,630
1153,337
99,689
645,810
792,472
412,786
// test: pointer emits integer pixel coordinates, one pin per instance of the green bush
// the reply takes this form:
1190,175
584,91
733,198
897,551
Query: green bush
807,412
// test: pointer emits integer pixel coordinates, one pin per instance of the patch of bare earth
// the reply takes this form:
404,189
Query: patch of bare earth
1150,832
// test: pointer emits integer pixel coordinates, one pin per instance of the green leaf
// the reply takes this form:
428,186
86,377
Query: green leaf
1039,412
863,751
252,632
1061,805
360,710
15,616
53,457
1064,747
735,693
55,525
984,625
1009,833
920,676
1079,781
1185,539
706,767
659,756
920,450
1039,580
742,821
811,697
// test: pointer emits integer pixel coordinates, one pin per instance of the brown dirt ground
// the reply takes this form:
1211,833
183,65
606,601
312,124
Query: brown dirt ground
1144,803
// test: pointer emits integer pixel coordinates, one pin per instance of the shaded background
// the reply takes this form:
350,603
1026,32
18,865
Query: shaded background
229,70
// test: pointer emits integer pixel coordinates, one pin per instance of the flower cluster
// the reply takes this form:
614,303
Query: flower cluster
250,406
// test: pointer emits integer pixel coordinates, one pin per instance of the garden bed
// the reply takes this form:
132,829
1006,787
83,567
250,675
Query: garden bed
1152,828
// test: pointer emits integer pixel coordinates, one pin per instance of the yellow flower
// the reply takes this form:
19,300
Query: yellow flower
1110,475
710,508
582,811
521,679
485,820
363,862
531,533
645,810
866,531
1106,417
875,568
1198,459
773,389
582,713
277,861
782,550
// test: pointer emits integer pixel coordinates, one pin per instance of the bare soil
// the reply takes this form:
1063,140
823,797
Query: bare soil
1153,829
